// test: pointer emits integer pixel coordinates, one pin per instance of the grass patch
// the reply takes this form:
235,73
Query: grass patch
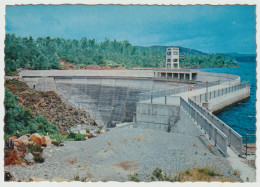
192,175
203,174
77,178
75,137
236,173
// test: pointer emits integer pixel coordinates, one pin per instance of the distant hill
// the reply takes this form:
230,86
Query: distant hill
242,57
188,51
183,50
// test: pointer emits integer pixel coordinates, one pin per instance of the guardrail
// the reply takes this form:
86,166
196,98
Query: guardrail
220,92
167,92
176,70
235,140
214,135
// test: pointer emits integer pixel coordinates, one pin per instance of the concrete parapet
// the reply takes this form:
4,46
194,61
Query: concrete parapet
84,73
211,77
228,99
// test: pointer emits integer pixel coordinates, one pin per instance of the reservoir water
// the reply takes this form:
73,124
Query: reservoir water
241,116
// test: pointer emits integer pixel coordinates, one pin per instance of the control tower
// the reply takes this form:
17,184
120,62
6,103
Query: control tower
172,58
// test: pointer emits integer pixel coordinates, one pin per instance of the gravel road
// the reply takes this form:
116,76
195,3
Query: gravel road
115,154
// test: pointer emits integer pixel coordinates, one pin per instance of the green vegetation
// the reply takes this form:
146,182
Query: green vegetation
195,174
38,158
75,137
77,178
202,61
46,53
133,177
19,120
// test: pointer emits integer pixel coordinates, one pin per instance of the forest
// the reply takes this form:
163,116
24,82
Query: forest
46,53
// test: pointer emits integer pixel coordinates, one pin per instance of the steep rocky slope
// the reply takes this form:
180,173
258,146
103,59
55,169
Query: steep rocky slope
49,105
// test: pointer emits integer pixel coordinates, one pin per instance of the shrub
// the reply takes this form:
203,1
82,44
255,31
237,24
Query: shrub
38,158
158,173
76,178
34,148
76,137
133,177
236,173
19,120
12,158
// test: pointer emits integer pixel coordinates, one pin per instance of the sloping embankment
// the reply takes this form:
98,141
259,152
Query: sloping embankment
49,105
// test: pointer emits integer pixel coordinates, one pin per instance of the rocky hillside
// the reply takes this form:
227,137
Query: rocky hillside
49,105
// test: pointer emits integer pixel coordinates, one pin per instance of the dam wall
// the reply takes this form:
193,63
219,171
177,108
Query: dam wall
223,78
109,100
111,96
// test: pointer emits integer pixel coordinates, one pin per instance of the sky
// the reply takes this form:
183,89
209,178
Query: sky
206,28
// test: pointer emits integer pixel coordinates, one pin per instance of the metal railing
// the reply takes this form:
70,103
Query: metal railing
214,135
220,92
235,140
176,70
167,92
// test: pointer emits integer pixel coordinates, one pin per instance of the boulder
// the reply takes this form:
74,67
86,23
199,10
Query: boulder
29,157
24,139
46,141
11,140
9,176
36,137
17,142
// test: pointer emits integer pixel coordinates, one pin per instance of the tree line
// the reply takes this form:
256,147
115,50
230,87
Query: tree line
46,53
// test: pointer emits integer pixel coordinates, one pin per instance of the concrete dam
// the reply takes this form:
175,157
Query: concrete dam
108,99
171,100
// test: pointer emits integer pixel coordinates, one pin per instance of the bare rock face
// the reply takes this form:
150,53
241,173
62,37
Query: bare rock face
46,141
36,137
24,139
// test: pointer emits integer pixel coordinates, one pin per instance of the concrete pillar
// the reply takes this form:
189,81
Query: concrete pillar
178,75
190,76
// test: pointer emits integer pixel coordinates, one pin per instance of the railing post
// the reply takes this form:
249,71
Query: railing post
229,142
246,144
216,139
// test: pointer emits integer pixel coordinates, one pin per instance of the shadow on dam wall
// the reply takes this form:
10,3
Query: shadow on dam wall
108,100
